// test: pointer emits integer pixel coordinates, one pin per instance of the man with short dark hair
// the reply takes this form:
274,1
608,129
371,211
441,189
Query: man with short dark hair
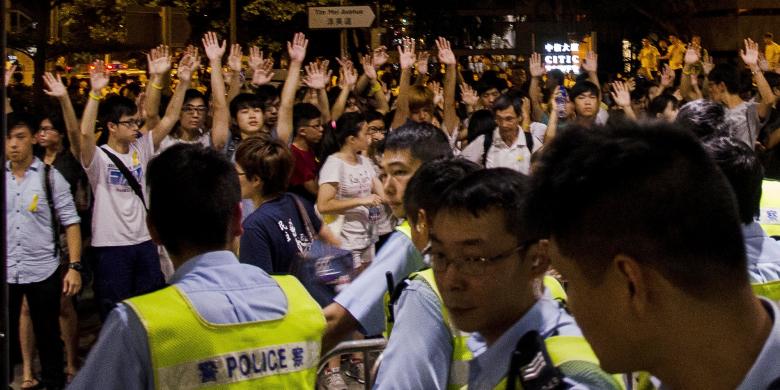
308,129
220,323
38,199
645,229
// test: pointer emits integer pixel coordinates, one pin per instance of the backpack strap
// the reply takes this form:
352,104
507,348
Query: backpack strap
55,226
529,141
487,142
131,180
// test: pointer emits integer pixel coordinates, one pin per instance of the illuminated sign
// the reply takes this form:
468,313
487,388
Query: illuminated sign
563,56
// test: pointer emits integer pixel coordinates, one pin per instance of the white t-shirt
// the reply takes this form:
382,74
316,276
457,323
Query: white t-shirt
168,141
119,217
353,181
500,155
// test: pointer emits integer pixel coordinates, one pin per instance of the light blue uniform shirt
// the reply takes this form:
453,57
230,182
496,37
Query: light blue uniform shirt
30,240
491,364
763,254
419,351
766,369
221,289
364,297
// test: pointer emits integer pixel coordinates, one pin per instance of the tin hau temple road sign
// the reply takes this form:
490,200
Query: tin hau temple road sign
341,17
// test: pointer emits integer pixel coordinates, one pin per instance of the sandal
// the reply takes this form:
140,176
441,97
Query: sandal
30,384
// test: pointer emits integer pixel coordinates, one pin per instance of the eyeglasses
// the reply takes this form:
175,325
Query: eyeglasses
131,123
375,130
198,109
471,266
47,129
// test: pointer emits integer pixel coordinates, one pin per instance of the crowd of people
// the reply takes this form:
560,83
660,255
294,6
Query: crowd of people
518,228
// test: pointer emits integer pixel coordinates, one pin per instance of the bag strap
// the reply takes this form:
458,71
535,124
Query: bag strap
131,180
529,141
487,143
305,218
50,201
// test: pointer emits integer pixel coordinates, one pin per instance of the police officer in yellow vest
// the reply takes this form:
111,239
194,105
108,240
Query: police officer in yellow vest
219,323
770,207
486,259
744,172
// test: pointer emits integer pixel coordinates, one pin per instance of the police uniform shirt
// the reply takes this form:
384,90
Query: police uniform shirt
491,363
763,254
222,291
364,297
419,350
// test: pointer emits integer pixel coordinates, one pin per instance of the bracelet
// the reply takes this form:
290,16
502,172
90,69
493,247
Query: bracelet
157,86
94,97
376,88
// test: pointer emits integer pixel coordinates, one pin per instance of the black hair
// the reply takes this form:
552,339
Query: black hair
193,194
481,122
727,74
492,189
703,117
268,159
647,191
430,182
304,112
191,94
505,101
557,75
773,79
743,170
114,108
245,100
57,122
658,104
20,119
424,141
582,87
373,115
348,125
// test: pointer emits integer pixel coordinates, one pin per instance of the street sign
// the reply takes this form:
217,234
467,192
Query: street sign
341,17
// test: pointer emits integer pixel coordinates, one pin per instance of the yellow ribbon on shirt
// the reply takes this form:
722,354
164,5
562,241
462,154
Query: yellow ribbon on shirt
34,204
135,158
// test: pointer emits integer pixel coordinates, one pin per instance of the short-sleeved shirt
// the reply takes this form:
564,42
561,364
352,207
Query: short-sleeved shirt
763,254
275,233
677,54
305,169
515,156
772,54
119,215
168,141
648,57
352,181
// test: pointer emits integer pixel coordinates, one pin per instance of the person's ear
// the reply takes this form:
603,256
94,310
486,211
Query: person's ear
632,284
420,226
111,126
538,258
236,228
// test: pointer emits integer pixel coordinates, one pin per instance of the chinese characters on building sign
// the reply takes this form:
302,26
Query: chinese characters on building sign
563,56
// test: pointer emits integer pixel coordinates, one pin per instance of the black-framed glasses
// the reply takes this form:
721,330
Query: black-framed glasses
375,130
131,122
50,129
199,109
472,266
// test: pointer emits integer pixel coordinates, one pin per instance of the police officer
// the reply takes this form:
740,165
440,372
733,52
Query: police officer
487,259
220,323
645,229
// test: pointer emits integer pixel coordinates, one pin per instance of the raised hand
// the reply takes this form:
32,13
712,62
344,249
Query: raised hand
667,77
367,61
54,85
297,48
750,53
159,60
535,65
406,53
763,64
438,92
380,56
694,78
8,74
214,51
263,69
347,77
468,95
234,58
620,94
591,62
707,66
691,56
187,66
98,76
422,62
317,75
446,56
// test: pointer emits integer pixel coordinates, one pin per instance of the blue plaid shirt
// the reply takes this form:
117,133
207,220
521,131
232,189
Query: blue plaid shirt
30,240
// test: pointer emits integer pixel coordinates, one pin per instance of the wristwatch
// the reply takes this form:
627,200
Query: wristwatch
76,265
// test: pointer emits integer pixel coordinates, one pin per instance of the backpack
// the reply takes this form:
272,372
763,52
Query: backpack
487,142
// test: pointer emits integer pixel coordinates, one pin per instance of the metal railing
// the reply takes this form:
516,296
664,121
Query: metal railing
365,347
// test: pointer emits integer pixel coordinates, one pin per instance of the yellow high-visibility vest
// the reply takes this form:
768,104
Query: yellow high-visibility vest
770,207
769,290
188,352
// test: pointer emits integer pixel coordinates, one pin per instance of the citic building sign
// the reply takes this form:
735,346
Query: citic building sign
563,56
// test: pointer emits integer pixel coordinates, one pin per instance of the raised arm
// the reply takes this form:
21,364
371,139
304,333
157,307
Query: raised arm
187,66
234,62
98,79
750,57
159,61
691,58
622,98
220,125
6,81
469,97
297,51
369,74
328,204
56,88
407,59
262,69
447,57
537,70
347,80
667,80
591,65
421,66
317,78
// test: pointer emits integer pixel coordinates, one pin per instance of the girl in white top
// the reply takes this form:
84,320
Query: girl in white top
349,185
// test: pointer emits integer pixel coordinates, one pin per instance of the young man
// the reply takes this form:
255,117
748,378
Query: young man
487,271
168,339
359,306
635,214
513,141
771,51
648,58
307,134
38,198
585,96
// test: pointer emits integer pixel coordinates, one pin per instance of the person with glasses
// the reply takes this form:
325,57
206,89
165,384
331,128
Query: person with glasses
307,134
487,271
